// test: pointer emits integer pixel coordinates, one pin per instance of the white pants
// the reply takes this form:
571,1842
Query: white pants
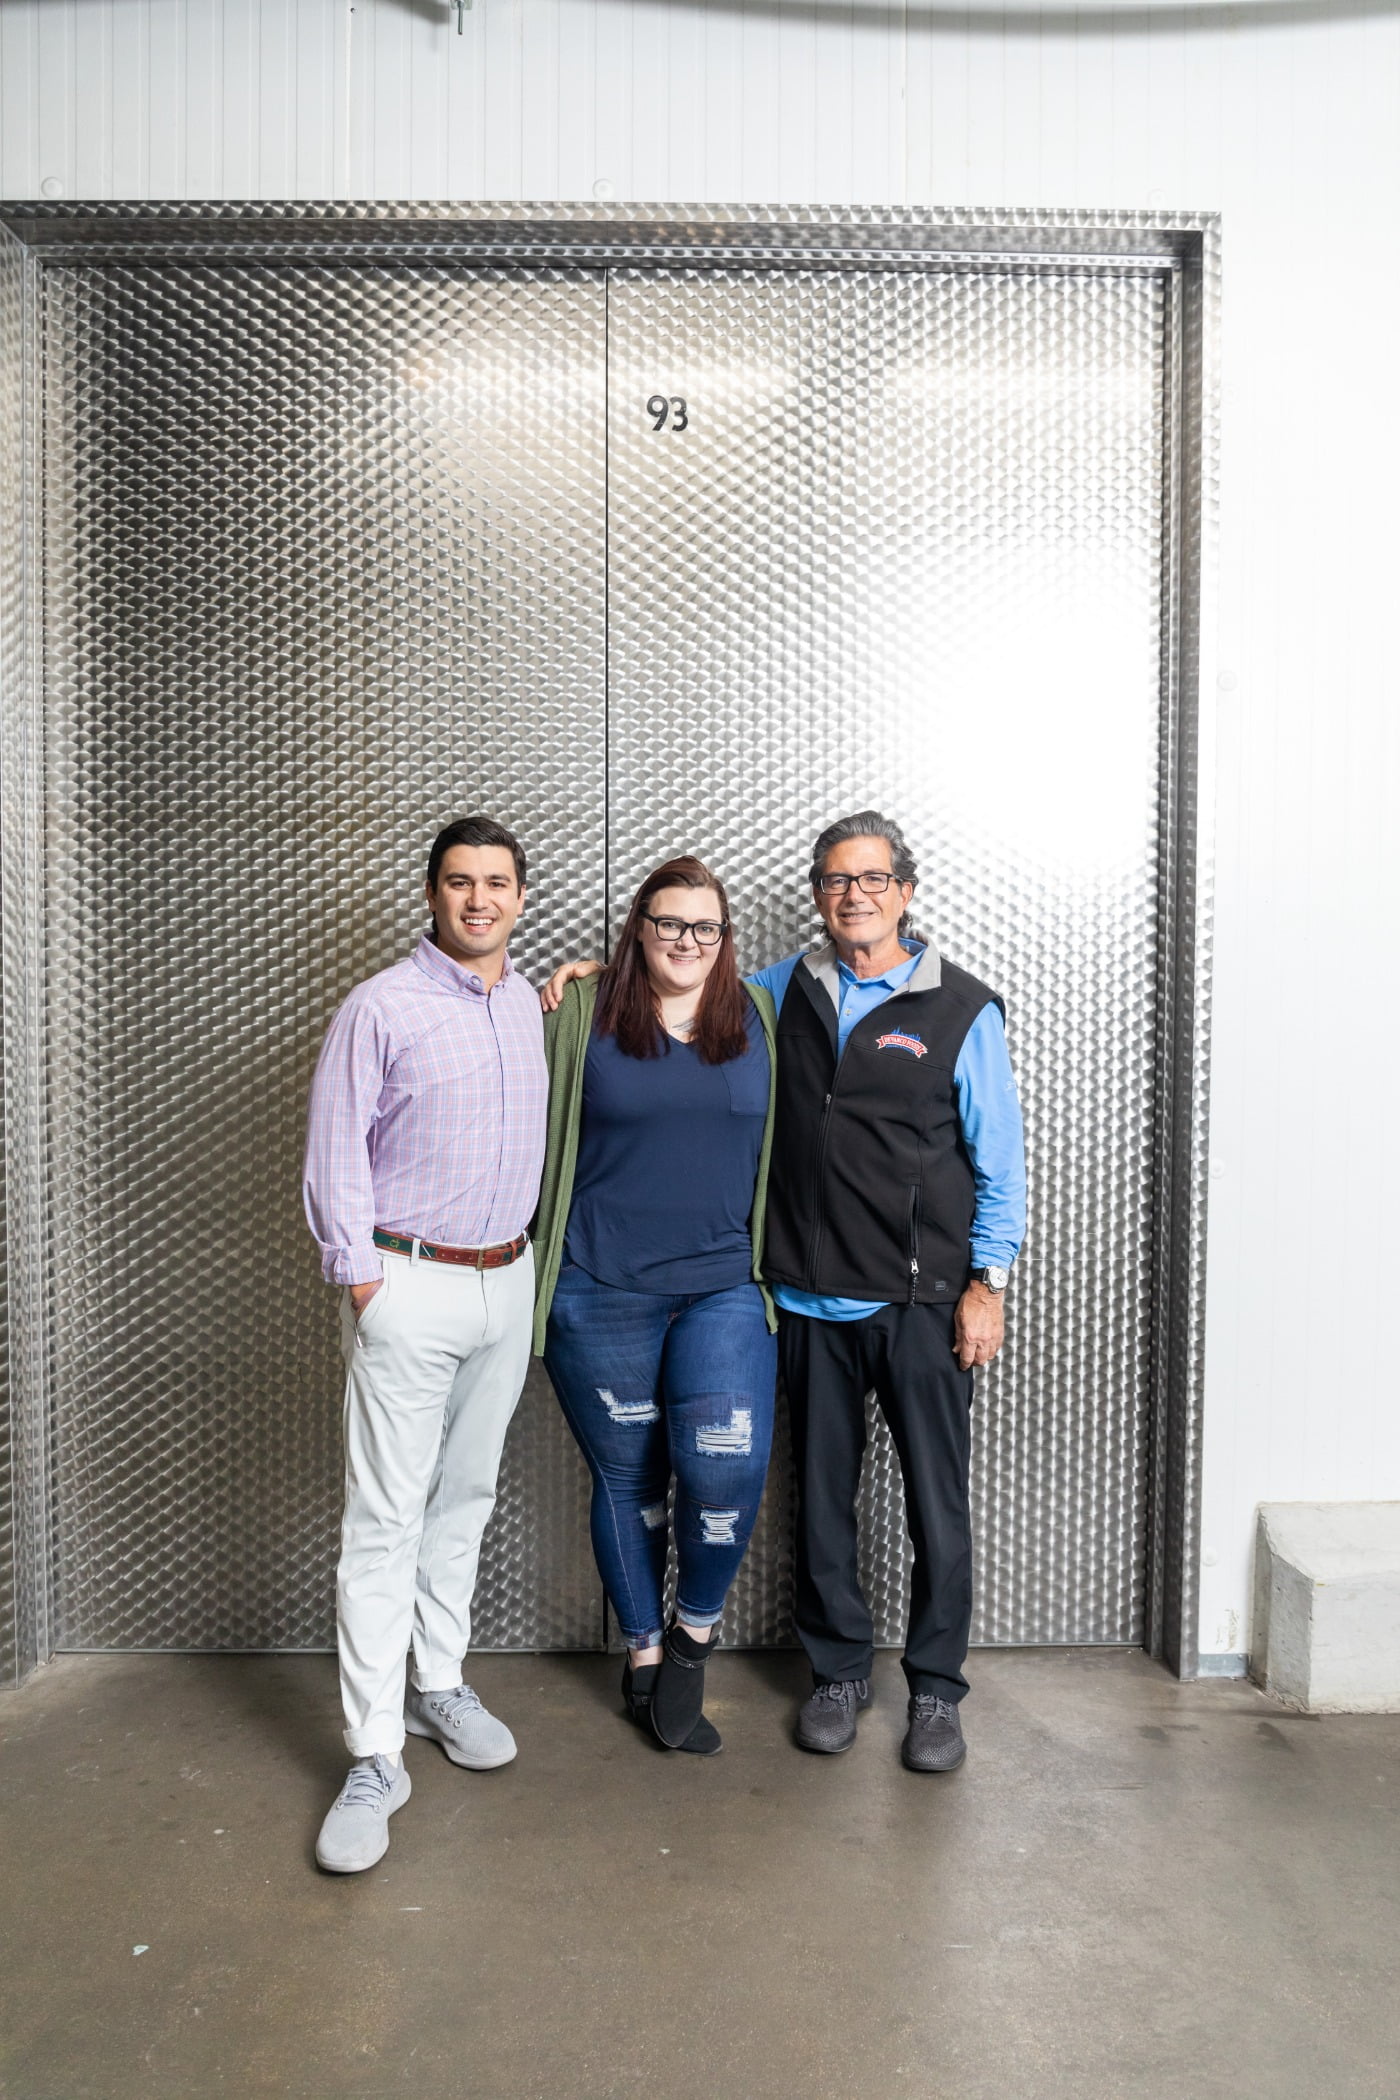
434,1369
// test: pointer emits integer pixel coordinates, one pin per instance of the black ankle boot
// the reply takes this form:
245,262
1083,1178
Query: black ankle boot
678,1696
637,1688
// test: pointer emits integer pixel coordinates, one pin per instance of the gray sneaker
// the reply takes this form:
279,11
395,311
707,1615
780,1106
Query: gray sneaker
933,1741
828,1720
458,1720
356,1831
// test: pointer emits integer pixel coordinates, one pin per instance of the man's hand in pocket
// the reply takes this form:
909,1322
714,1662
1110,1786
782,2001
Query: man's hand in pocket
361,1293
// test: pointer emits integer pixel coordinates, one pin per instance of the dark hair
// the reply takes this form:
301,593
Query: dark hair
627,1005
475,831
868,824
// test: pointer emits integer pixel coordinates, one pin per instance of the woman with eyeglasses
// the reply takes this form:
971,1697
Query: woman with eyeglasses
656,1334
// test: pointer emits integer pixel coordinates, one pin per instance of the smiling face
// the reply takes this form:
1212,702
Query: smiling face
858,920
476,904
677,967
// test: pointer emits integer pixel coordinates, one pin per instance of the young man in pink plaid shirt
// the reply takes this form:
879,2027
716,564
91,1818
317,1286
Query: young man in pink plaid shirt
423,1157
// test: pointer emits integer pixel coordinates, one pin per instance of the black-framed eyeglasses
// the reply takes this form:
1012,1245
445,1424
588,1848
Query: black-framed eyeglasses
706,931
874,881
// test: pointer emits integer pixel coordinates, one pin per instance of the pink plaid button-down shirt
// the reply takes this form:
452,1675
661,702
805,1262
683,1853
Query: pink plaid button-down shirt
427,1113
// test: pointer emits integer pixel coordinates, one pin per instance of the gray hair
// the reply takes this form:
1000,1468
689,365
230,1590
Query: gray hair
868,824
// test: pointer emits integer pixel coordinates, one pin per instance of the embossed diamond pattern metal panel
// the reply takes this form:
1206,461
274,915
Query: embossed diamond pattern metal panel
324,565
12,714
324,569
903,547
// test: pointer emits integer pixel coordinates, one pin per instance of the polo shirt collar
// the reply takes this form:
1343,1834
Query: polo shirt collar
889,978
824,965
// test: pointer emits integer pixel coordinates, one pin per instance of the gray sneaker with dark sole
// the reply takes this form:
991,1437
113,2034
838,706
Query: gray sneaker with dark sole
460,1723
828,1721
933,1741
355,1834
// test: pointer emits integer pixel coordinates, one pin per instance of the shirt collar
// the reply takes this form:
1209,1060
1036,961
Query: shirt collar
433,963
891,978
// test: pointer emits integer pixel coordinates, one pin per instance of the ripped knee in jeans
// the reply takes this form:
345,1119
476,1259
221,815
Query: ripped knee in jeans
731,1439
629,1413
718,1527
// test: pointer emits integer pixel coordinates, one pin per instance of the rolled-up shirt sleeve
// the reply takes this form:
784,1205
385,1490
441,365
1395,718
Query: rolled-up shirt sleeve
989,1110
337,1188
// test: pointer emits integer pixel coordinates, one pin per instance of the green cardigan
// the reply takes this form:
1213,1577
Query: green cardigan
566,1034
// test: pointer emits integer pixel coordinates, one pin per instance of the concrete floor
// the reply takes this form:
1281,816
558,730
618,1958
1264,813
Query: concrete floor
1133,1887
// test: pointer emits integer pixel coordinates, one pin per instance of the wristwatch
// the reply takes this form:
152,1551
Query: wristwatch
994,1279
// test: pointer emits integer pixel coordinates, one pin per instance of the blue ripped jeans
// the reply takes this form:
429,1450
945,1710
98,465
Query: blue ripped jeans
652,1386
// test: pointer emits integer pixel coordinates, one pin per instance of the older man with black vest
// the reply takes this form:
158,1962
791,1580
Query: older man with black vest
896,1208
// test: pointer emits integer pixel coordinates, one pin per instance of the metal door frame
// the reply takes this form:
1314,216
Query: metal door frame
1183,248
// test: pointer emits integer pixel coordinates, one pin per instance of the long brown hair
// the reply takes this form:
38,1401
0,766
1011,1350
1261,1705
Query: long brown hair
627,1005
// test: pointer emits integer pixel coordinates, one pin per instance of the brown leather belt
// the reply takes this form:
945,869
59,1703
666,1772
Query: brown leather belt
497,1257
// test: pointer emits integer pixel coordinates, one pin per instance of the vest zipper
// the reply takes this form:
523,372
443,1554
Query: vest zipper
913,1241
814,1258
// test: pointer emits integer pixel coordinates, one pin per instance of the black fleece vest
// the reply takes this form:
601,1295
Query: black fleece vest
871,1191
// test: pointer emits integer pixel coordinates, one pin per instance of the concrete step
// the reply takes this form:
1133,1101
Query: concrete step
1326,1635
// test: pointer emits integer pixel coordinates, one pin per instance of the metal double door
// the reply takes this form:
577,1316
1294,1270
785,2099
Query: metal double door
639,561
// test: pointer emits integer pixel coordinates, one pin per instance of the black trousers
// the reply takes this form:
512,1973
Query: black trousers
905,1354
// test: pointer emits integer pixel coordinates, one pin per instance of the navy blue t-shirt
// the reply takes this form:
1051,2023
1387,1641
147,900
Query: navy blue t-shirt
667,1158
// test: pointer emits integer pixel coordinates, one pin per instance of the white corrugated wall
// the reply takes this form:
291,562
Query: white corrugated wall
1285,119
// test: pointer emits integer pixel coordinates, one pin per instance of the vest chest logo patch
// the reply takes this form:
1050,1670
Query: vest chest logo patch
914,1044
